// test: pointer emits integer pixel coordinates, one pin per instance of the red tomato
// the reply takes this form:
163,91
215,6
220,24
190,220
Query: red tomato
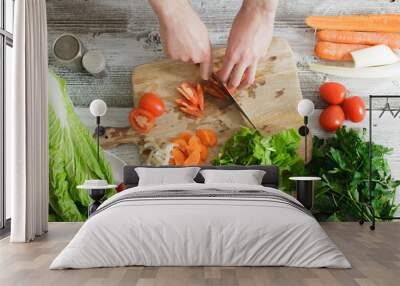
332,118
333,92
141,120
354,108
152,103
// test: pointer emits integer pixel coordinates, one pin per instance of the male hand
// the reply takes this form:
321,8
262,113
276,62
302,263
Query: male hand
184,36
249,39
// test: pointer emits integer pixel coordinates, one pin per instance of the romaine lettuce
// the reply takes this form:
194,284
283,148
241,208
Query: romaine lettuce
72,157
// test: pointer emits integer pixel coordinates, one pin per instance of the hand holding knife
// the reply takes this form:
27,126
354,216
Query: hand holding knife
216,83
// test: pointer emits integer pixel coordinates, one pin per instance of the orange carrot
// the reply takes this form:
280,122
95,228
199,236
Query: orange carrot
203,152
181,144
360,23
193,159
207,136
171,162
336,52
362,38
179,156
194,143
186,135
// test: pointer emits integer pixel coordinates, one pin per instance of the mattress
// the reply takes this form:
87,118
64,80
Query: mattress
201,225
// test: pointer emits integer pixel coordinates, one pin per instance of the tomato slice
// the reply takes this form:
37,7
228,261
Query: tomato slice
141,120
200,96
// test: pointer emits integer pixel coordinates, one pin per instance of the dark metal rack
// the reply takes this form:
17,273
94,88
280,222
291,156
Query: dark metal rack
369,204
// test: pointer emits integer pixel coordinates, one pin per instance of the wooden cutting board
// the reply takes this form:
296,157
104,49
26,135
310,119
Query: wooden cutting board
271,102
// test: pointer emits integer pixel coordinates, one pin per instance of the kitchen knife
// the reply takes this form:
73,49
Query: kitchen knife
223,88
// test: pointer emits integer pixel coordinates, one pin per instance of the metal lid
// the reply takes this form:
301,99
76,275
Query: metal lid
67,47
94,62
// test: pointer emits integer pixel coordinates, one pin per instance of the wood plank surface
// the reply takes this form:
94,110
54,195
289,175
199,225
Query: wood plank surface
374,255
127,33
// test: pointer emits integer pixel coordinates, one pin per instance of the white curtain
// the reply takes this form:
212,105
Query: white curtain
26,124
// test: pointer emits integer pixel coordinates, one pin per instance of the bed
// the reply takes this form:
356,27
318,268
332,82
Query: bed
198,224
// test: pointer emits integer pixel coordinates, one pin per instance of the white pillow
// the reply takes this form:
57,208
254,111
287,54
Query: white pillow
166,176
248,177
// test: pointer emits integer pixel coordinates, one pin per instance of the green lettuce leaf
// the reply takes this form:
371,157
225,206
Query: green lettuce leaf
72,157
249,147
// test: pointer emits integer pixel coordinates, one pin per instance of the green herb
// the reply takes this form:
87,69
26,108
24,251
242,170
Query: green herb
249,147
72,157
342,162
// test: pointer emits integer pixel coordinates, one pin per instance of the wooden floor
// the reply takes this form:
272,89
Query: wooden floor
375,257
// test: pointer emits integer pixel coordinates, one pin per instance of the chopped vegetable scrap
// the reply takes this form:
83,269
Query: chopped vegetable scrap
155,153
192,149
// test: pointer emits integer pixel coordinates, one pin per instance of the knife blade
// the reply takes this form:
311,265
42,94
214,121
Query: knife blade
227,93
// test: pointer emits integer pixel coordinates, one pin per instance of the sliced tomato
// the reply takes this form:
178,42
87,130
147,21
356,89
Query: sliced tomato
141,120
191,111
152,103
182,102
189,92
213,92
200,96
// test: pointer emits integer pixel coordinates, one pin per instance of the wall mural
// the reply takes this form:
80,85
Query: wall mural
177,119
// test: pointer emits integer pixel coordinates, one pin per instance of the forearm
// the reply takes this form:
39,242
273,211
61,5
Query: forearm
165,8
262,6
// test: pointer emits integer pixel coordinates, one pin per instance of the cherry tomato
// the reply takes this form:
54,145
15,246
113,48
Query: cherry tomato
141,120
333,92
332,118
152,103
354,108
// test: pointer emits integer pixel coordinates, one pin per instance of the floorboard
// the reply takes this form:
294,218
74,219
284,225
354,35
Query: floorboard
375,257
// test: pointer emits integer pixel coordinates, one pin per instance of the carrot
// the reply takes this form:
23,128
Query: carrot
193,143
203,152
336,52
181,144
186,135
363,38
360,23
179,156
171,162
207,136
193,159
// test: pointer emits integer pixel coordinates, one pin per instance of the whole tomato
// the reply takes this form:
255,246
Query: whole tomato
333,92
354,108
152,103
332,118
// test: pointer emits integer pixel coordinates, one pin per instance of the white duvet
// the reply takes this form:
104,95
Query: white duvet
200,231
